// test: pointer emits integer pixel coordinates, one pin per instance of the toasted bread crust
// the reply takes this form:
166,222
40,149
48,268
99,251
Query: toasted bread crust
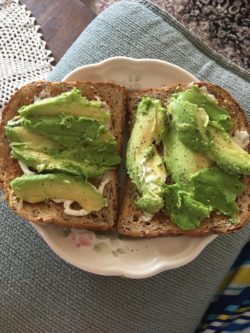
131,221
50,212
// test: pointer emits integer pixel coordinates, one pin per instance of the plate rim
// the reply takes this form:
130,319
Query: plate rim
158,267
107,61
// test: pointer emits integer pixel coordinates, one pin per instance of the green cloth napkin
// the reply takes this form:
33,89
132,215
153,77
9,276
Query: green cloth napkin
41,293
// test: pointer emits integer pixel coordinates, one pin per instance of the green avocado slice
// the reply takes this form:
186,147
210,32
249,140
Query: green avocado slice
210,189
144,164
183,209
181,161
105,141
81,129
42,162
203,136
214,187
191,123
21,135
102,154
38,188
216,113
91,155
227,154
69,103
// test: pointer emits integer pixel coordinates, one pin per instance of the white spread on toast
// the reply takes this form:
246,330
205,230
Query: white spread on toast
145,173
204,91
42,95
191,84
241,138
205,116
146,217
149,179
73,212
58,200
210,96
105,180
145,169
102,102
25,168
68,210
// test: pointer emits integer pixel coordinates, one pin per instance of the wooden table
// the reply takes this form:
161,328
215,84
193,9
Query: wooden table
61,22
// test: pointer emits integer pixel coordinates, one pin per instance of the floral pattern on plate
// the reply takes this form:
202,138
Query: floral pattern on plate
98,242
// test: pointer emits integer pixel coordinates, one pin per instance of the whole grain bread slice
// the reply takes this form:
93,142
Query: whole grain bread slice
50,212
133,222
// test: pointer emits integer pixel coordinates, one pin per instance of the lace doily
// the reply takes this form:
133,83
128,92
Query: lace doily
23,54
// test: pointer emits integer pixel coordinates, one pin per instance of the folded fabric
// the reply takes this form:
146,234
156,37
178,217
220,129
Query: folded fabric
41,293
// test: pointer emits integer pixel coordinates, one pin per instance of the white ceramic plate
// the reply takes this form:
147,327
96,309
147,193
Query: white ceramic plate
108,254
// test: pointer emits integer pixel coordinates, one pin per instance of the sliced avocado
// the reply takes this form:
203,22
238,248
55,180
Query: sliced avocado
64,132
29,139
81,129
216,188
206,137
216,113
144,164
44,162
71,131
91,155
228,154
191,124
183,209
210,189
180,160
21,138
69,103
105,142
38,188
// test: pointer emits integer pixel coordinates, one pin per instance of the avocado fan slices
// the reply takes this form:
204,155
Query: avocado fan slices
67,135
198,154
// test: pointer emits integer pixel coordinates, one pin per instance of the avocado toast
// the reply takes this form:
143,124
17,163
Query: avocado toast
74,158
186,177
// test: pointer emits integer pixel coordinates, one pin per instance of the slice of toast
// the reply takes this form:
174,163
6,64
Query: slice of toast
132,222
106,218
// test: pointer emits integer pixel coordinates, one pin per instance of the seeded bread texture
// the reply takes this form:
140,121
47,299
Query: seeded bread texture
132,222
50,212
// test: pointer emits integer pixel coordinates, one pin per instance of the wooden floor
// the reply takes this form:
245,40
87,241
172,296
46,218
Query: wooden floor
61,22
